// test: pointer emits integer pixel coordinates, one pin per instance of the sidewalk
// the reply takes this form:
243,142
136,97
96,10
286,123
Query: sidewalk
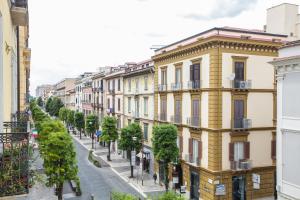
121,167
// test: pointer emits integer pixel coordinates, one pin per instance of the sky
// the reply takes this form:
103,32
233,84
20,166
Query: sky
69,37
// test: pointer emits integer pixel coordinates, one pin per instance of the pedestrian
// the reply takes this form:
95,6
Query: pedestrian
155,177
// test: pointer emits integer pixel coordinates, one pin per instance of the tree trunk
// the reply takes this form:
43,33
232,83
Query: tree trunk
60,192
166,177
131,167
108,156
80,134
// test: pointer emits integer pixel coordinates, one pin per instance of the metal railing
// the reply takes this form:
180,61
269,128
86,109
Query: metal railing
20,3
241,165
194,84
176,86
242,123
193,121
238,84
162,87
163,116
177,119
191,159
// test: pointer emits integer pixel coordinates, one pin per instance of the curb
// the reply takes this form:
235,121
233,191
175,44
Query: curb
117,173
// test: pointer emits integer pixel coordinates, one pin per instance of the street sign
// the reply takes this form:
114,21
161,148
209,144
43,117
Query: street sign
220,189
182,189
133,155
175,179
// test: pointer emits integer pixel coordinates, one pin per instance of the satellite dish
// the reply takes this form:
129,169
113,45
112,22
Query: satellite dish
231,77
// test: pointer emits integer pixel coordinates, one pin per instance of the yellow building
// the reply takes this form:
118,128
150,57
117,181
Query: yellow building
218,88
12,17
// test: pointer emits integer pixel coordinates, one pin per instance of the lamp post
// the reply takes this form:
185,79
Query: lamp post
132,155
92,123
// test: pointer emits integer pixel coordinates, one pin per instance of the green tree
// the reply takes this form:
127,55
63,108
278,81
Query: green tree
91,126
70,118
63,114
40,102
165,148
79,121
48,104
109,132
126,141
55,106
59,161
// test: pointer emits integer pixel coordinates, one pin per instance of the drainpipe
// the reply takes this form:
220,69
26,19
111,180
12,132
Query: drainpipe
18,70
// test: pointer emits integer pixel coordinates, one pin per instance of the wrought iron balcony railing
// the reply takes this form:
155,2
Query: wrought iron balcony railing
241,165
177,119
193,121
162,87
242,123
191,159
176,86
163,116
196,84
20,3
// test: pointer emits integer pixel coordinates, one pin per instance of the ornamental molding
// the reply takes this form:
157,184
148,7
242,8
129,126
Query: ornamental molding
217,42
288,66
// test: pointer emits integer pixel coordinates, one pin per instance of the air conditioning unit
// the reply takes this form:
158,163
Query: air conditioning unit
243,84
245,165
249,84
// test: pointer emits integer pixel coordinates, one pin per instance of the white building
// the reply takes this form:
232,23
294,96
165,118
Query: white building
288,117
284,19
78,91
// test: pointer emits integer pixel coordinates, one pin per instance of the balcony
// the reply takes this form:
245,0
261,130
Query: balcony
193,85
100,105
242,123
176,119
94,89
243,85
19,12
193,121
192,160
111,110
101,89
176,86
135,114
163,116
111,91
241,165
162,87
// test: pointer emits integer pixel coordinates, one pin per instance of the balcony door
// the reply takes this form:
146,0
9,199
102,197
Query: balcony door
239,187
195,121
163,109
195,75
177,116
239,70
137,106
239,113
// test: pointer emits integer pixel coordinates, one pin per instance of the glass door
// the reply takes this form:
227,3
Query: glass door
239,187
194,186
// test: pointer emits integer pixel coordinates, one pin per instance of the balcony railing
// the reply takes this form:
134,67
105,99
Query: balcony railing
242,123
101,89
111,91
241,165
193,121
176,86
163,116
237,84
111,110
135,114
177,119
20,3
162,87
194,84
191,159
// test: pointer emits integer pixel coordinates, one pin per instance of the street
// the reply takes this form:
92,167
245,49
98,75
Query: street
98,181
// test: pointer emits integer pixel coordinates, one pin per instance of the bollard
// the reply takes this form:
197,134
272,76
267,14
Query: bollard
92,197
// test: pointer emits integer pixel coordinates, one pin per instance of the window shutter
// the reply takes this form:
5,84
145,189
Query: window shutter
180,144
191,146
273,149
246,150
199,149
231,151
191,73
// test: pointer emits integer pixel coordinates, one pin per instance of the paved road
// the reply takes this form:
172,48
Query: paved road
98,181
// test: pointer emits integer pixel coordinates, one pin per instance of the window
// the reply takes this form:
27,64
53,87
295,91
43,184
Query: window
195,150
129,104
239,114
129,121
108,103
114,83
195,75
178,75
137,84
239,70
119,84
145,105
108,85
163,109
119,104
195,121
238,151
163,76
145,132
129,85
146,83
177,117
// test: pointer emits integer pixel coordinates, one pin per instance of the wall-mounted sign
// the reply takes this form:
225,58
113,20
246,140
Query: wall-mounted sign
133,155
210,181
256,181
182,189
220,189
175,179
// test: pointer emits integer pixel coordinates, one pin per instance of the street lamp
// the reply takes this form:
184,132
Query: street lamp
132,155
92,124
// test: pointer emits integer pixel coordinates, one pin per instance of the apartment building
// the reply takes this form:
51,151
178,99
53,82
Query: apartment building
14,16
138,82
218,88
86,100
284,19
98,96
70,99
44,91
288,125
62,87
78,91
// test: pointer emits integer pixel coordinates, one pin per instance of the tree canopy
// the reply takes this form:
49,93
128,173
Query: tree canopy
63,114
126,142
71,117
109,131
39,101
91,124
55,106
